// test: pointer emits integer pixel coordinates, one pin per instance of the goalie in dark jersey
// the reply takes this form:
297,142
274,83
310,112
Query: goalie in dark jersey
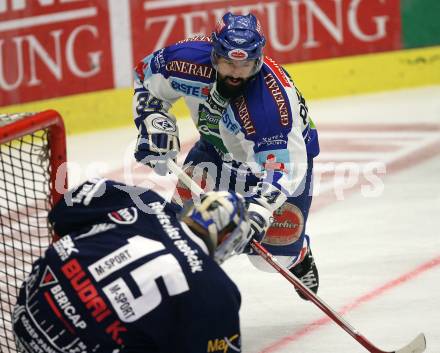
133,273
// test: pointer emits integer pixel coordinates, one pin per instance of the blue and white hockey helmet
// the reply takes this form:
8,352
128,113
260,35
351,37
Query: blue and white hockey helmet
220,219
238,37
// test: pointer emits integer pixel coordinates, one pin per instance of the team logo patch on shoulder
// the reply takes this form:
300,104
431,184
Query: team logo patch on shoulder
164,124
124,216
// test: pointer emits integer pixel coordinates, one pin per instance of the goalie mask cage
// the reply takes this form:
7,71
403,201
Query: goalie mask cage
32,148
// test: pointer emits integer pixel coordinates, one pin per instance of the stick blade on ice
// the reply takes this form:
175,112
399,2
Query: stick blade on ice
418,345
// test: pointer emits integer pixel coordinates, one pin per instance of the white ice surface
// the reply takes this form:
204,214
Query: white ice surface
360,243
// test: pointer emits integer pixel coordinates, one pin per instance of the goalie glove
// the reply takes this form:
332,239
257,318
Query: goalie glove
158,141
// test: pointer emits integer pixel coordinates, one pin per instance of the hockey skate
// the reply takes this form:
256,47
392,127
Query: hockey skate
307,273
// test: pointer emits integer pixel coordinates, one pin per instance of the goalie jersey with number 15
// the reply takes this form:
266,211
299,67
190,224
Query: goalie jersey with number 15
129,275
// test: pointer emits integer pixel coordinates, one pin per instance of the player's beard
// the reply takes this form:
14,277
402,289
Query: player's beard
229,91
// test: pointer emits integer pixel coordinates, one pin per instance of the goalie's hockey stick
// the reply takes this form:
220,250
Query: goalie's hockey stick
417,345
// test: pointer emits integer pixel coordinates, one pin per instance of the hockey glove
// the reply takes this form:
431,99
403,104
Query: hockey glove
260,220
158,141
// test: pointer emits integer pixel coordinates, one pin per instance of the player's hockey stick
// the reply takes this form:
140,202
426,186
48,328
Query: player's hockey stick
417,345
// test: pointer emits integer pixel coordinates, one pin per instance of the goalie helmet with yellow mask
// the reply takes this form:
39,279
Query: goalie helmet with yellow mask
220,220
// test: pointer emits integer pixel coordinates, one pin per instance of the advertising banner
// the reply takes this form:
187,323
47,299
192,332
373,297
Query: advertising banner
51,48
296,30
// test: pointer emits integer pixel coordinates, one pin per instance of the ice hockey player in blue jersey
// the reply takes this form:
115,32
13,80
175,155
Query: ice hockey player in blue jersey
132,273
256,136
